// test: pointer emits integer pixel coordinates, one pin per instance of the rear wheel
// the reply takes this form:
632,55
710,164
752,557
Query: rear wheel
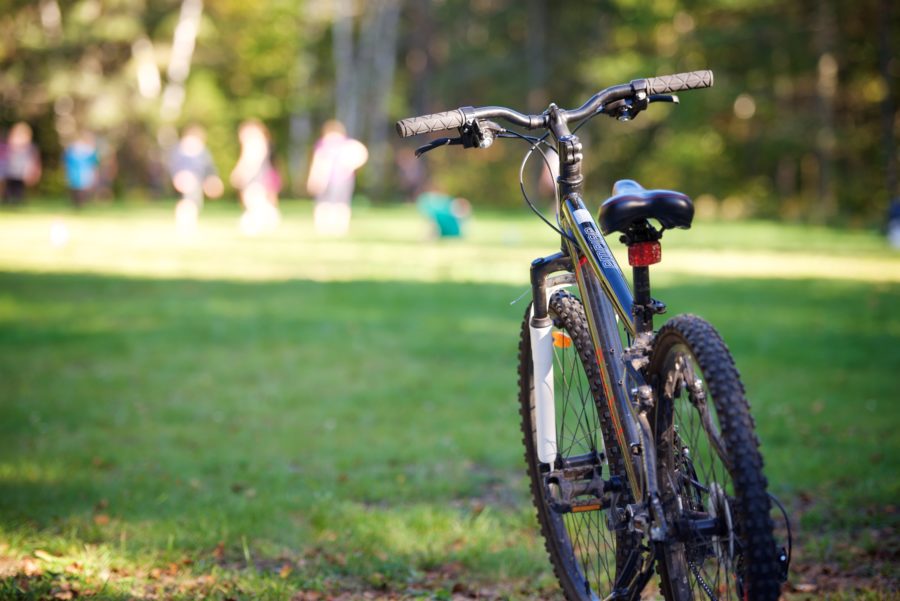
709,468
587,554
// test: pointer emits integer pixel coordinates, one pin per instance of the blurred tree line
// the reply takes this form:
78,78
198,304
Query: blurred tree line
801,124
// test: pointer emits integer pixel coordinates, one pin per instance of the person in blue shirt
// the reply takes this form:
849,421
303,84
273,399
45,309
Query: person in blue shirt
82,164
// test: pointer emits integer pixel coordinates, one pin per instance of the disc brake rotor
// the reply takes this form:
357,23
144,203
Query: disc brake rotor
719,508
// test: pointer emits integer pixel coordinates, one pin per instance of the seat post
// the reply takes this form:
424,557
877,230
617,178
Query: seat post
644,250
643,309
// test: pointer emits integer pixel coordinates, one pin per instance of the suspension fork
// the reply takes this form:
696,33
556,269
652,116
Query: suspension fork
540,327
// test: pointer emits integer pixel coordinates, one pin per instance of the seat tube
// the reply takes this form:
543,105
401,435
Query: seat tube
610,354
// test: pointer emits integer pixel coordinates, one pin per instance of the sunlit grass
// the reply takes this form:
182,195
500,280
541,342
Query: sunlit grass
394,244
246,418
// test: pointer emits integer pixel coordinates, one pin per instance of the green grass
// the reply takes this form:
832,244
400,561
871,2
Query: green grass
248,418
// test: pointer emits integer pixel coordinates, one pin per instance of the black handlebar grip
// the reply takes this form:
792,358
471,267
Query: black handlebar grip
679,81
427,123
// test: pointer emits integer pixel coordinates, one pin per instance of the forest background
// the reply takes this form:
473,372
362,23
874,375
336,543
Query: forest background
801,125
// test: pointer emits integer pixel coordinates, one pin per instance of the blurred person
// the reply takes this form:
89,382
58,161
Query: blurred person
893,223
4,153
81,161
109,169
446,213
193,175
256,179
23,163
336,157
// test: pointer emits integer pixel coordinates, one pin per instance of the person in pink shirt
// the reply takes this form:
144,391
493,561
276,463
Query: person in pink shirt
22,165
332,177
257,180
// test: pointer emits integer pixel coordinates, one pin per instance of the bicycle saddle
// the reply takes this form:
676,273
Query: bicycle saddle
631,203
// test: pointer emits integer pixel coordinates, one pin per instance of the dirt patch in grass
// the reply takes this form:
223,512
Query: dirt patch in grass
861,565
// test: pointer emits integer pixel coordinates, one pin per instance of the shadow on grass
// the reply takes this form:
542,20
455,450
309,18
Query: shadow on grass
373,426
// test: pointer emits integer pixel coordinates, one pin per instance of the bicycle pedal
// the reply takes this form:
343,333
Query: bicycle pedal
588,505
563,487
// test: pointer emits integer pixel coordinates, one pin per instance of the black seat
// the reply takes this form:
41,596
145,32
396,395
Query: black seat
631,203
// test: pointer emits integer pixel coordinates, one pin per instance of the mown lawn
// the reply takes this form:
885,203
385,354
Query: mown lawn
292,417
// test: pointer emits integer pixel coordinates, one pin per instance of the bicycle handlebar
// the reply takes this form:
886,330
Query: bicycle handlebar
457,118
428,123
680,81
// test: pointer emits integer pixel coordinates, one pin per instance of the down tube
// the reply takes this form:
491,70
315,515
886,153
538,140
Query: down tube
597,253
609,351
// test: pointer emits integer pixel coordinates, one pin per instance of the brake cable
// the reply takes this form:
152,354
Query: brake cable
536,143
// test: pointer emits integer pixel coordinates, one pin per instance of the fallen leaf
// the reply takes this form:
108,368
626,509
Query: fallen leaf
285,570
41,554
101,519
805,587
31,568
74,568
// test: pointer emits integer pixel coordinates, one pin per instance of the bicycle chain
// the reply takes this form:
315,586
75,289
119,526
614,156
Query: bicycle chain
702,582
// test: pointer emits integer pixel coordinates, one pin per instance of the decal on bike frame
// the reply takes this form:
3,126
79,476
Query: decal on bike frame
581,215
597,243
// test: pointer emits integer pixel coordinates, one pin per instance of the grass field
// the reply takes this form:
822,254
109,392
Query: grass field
290,417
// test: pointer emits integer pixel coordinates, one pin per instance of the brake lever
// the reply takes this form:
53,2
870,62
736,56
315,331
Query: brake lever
664,98
627,109
479,133
437,143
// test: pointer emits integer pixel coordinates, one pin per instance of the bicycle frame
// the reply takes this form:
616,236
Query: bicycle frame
608,302
603,287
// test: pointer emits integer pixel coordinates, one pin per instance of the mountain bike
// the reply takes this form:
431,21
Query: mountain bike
639,444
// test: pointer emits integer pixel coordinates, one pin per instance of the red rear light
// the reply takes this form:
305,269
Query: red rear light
642,254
